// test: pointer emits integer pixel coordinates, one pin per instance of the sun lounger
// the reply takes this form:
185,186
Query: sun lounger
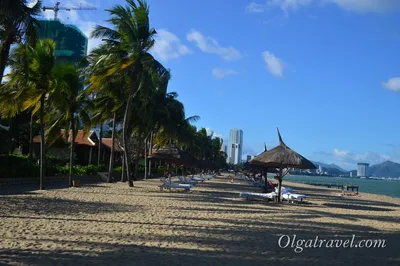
196,179
185,180
252,195
167,184
293,197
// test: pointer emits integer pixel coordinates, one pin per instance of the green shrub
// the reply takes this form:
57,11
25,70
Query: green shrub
12,159
52,160
16,165
160,169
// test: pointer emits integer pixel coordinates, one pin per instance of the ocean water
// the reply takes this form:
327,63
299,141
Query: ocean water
381,187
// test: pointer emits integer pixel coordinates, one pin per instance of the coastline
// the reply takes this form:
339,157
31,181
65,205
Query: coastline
370,186
113,224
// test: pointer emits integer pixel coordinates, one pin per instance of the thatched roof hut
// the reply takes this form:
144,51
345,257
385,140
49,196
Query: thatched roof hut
172,153
282,157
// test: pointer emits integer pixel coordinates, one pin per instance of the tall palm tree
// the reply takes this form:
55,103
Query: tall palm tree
17,24
71,105
31,83
108,105
128,44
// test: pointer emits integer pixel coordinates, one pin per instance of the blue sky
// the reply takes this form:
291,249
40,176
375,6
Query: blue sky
326,72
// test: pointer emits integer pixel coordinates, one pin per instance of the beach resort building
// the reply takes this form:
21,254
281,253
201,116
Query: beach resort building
362,169
235,146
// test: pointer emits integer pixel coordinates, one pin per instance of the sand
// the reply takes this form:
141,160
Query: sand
112,224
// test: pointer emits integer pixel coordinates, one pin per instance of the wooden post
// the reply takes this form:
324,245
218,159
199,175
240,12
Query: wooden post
90,155
279,184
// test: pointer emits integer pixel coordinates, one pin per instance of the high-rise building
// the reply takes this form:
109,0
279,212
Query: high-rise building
362,169
248,158
235,146
71,43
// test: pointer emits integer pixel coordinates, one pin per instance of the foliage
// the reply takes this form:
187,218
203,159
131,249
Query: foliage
15,165
124,84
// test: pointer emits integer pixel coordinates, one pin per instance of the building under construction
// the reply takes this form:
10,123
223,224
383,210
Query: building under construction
71,43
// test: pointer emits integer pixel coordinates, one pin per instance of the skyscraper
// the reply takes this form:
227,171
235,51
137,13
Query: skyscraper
362,169
71,43
235,146
248,158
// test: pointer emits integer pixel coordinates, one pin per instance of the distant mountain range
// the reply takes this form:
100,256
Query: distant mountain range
385,169
332,169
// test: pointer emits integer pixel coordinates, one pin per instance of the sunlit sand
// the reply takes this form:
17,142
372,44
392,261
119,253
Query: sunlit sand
103,224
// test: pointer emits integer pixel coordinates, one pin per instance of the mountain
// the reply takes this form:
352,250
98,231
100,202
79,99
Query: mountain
385,169
337,167
332,167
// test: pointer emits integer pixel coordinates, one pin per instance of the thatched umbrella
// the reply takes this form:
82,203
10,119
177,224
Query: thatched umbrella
261,169
280,158
171,153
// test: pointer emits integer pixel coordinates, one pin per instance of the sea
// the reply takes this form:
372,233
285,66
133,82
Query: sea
382,187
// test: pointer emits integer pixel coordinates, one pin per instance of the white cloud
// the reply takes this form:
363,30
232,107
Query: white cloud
222,73
210,45
365,6
215,134
168,46
31,3
349,159
274,65
255,8
392,84
285,5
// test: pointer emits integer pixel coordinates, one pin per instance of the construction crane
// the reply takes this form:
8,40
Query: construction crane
57,7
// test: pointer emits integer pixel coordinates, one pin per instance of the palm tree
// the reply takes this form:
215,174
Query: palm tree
70,104
31,83
107,106
128,45
17,23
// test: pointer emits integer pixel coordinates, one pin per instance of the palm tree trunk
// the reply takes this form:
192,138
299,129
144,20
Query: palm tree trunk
150,151
5,51
71,154
42,143
100,143
123,169
125,138
31,138
111,164
145,158
266,181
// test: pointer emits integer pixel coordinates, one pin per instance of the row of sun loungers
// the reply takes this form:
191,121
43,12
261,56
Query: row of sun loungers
187,183
286,194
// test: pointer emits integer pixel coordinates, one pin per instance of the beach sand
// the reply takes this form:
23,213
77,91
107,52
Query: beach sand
112,224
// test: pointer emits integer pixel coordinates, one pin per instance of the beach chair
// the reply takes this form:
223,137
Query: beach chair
198,178
184,180
292,197
253,195
167,184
